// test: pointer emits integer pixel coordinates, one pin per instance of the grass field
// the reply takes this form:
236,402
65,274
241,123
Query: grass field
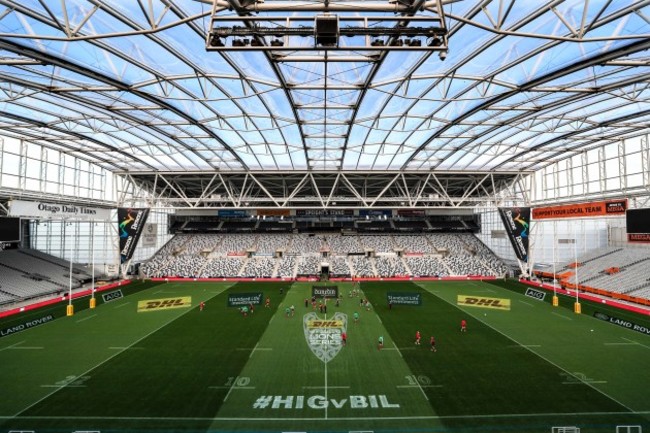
181,369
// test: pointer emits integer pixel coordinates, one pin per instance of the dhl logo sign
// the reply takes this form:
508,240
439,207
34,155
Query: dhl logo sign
482,302
324,324
164,304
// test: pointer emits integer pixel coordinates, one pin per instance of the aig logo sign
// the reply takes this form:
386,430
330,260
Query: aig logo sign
536,294
107,297
482,302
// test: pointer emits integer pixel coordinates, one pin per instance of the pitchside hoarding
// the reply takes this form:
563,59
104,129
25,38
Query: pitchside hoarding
26,325
131,222
325,291
622,323
404,298
516,221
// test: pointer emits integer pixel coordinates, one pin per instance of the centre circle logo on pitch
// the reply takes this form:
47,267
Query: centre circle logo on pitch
324,335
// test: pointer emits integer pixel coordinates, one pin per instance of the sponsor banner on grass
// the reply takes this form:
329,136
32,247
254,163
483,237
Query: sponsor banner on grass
536,294
325,336
164,304
325,291
239,299
130,224
516,221
622,322
25,325
112,296
322,402
404,298
591,209
483,302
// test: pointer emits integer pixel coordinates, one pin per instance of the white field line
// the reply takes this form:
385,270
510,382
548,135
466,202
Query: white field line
122,305
25,348
422,386
620,344
12,346
553,363
99,364
636,342
561,315
418,385
378,418
86,318
322,387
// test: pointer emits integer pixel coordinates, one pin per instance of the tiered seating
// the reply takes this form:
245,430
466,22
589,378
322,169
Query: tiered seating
259,267
492,263
305,244
413,244
164,255
270,243
38,268
591,256
310,265
381,244
198,243
362,266
426,266
339,266
633,271
184,266
16,283
340,244
234,243
592,266
462,253
461,258
389,266
77,271
7,298
286,267
221,267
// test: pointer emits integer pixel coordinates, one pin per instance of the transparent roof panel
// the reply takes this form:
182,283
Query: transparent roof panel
135,88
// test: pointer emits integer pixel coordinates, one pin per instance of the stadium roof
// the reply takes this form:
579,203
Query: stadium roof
130,86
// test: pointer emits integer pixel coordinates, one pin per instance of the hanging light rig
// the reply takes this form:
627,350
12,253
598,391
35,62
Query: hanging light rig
275,26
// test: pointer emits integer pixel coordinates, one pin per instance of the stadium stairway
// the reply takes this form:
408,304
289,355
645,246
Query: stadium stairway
406,266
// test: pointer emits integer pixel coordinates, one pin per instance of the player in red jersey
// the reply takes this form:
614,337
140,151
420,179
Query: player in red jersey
417,338
201,306
432,341
463,325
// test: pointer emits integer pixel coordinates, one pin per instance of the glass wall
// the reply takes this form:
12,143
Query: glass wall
614,170
29,171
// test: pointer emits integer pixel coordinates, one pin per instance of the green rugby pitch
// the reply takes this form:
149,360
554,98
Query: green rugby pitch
524,370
